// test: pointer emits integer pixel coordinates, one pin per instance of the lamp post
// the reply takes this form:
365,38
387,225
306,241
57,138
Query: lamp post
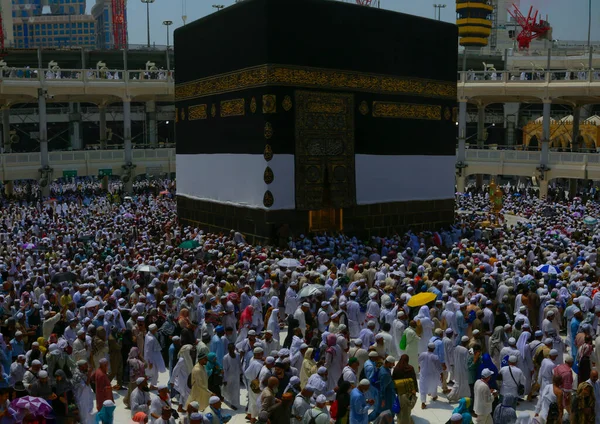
167,24
148,17
438,9
590,37
218,6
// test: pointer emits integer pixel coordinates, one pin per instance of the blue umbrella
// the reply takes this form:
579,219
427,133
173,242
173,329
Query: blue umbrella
548,269
590,220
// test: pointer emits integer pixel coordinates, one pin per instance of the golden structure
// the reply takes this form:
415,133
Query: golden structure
474,22
561,132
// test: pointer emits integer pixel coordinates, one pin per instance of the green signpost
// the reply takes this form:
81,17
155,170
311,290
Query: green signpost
104,172
70,173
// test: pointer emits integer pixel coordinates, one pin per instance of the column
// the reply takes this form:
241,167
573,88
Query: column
575,146
75,126
480,138
127,141
6,129
461,156
546,132
544,189
44,138
480,126
511,117
151,122
102,125
9,188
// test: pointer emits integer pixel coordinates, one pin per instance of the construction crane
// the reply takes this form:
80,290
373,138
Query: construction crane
531,28
119,24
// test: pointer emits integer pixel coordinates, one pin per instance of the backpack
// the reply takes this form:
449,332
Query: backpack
552,412
313,418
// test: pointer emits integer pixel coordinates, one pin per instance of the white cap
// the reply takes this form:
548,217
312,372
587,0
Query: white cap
252,333
321,399
487,373
258,350
456,417
213,400
512,359
270,360
512,341
431,345
152,327
321,370
140,380
43,374
358,342
364,382
36,362
373,354
464,339
553,352
391,359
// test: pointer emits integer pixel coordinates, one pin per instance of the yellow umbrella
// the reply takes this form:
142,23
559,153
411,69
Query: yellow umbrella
421,299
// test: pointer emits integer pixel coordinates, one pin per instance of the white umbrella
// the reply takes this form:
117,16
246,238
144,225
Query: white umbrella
147,268
92,303
310,289
288,263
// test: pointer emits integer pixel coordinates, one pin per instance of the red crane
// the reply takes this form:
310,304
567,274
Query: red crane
531,27
119,24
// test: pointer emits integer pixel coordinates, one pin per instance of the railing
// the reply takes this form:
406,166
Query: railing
528,76
86,75
79,156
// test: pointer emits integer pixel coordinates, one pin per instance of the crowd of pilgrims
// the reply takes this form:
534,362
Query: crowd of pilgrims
106,294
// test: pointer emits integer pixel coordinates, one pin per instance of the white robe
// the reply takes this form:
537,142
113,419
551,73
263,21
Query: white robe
461,387
398,328
545,374
429,374
291,301
232,368
299,315
153,356
252,373
85,398
354,321
179,379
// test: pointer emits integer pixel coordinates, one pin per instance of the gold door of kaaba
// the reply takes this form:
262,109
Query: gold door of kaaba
324,151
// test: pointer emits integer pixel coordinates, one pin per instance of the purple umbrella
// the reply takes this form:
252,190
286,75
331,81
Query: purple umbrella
35,406
29,246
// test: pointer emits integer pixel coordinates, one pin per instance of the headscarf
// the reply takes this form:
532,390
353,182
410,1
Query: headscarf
42,342
185,353
64,385
273,323
403,369
274,301
505,412
309,366
119,323
423,313
522,342
106,415
246,316
486,362
463,409
99,340
211,365
140,417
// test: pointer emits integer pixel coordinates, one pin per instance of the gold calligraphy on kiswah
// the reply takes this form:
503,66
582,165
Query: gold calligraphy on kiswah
235,107
407,111
197,112
309,77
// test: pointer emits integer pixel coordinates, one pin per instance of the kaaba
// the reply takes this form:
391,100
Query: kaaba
315,115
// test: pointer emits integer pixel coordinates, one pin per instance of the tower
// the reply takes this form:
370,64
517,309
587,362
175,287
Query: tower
474,22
